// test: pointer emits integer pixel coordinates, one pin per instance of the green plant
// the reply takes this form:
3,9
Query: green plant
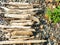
54,15
57,0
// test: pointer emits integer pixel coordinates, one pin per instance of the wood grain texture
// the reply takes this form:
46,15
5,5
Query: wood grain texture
18,42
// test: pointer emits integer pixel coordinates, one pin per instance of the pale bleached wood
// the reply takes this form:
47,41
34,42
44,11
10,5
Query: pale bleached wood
34,19
5,9
4,26
19,21
25,10
21,24
18,4
23,7
18,41
21,33
9,18
20,36
21,29
19,11
17,16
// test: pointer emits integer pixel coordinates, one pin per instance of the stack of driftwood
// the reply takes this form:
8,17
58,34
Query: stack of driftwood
20,21
20,17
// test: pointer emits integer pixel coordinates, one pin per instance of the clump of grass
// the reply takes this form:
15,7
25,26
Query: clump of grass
54,15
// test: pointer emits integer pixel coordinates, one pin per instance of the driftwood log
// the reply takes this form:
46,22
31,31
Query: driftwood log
18,42
21,24
17,15
4,26
20,21
21,33
21,29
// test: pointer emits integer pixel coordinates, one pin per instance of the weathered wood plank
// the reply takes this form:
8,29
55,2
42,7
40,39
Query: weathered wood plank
12,37
36,4
20,36
25,10
21,33
4,26
9,18
18,42
19,11
17,16
18,39
20,7
9,30
17,3
21,24
19,21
